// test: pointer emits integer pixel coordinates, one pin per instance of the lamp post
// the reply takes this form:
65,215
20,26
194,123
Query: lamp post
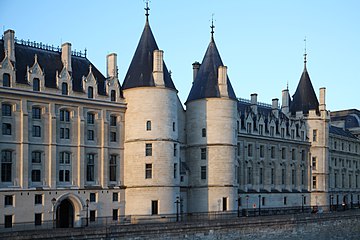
259,205
239,203
302,202
87,212
177,208
53,201
247,205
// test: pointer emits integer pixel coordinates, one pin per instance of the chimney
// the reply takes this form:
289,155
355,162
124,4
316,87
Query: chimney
222,81
158,73
274,107
322,106
66,55
285,101
9,44
111,63
254,102
196,66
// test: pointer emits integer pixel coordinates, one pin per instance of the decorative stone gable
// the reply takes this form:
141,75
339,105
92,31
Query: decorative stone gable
35,72
6,67
89,82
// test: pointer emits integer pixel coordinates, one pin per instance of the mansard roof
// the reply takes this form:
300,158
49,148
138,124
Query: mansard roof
341,132
304,98
351,117
50,62
205,84
140,71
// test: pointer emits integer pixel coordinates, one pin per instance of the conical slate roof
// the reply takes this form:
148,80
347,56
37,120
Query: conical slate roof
140,71
304,98
206,81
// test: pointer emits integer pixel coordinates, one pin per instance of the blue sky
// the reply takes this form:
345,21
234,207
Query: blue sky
261,42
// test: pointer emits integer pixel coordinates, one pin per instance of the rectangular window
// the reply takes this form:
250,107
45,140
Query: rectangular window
282,132
6,80
261,176
92,215
38,198
90,135
249,175
6,166
90,168
115,197
272,152
261,129
250,150
8,200
115,214
6,110
36,157
350,184
112,136
154,207
335,179
293,177
112,168
293,154
175,149
263,201
92,197
272,176
148,125
174,126
303,136
203,153
303,155
292,133
36,131
36,113
148,149
90,118
38,219
314,182
285,200
283,153
238,149
113,120
272,131
8,221
203,132
262,151
314,163
224,201
302,176
315,137
283,176
36,84
64,115
36,175
64,133
6,129
175,170
148,171
203,172
248,127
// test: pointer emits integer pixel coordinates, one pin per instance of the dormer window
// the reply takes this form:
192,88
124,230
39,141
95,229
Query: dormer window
113,96
36,84
64,88
6,80
90,92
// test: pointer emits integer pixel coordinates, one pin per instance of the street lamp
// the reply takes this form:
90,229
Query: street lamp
247,205
87,212
53,201
177,208
239,203
302,202
259,204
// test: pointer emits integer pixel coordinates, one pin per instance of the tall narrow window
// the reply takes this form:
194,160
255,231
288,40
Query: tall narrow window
90,168
261,127
203,153
293,176
36,175
90,92
64,115
6,80
175,149
36,84
203,172
335,180
283,176
154,207
249,175
92,215
175,170
90,118
250,150
148,171
148,125
148,149
203,132
8,200
113,120
174,126
113,136
262,151
6,166
314,182
92,197
36,113
314,163
283,153
302,176
113,95
315,137
272,176
293,154
38,219
115,214
272,154
38,198
64,88
90,135
36,157
261,176
64,167
6,129
112,168
8,221
6,110
225,200
303,155
36,131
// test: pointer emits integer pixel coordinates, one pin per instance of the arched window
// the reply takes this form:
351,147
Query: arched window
36,84
148,125
90,92
6,166
64,88
113,96
6,80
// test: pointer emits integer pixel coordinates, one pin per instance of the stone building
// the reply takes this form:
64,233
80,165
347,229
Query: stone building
78,145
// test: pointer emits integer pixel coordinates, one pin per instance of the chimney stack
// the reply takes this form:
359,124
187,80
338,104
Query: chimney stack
196,66
275,104
285,101
322,106
158,68
66,55
111,62
254,102
222,81
9,44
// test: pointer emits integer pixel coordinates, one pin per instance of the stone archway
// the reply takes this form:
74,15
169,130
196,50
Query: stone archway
65,214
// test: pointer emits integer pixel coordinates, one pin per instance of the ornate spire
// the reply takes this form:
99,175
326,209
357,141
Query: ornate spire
305,54
147,10
212,27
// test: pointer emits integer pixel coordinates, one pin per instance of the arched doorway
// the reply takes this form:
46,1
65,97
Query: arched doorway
65,214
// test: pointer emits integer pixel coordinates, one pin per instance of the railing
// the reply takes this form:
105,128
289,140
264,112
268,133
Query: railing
186,217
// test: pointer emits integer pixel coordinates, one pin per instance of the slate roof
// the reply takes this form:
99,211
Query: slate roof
351,117
206,81
140,71
341,132
50,62
304,98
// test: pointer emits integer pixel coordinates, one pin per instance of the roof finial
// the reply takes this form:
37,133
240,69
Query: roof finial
287,85
147,10
305,54
212,26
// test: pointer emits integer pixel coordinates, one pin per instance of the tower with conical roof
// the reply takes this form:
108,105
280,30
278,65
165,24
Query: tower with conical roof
306,105
211,113
151,144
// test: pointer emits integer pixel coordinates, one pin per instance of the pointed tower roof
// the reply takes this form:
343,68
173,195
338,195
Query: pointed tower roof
205,84
140,71
304,98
